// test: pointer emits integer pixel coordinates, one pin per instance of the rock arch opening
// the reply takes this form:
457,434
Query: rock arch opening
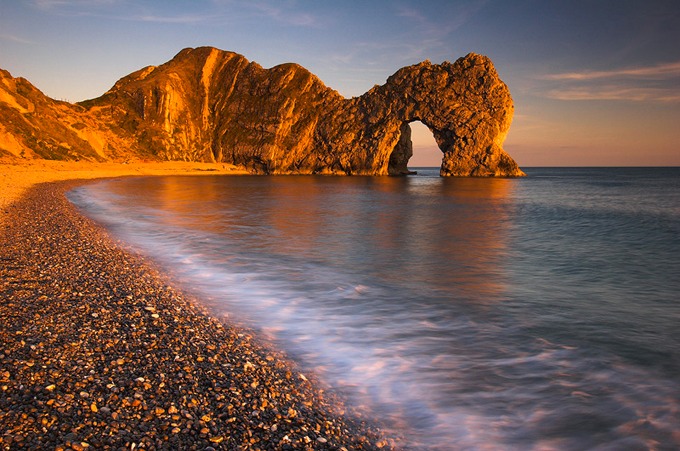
426,152
416,147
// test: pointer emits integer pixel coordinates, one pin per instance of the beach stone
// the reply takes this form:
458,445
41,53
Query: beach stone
104,380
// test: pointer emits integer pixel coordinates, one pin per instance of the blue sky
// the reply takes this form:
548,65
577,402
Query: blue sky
594,82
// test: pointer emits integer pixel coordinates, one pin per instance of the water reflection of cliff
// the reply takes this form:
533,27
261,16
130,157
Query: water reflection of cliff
454,232
449,235
438,233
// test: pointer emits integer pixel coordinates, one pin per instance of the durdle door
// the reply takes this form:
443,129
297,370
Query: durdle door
211,105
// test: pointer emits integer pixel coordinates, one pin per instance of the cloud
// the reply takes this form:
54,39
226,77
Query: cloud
454,17
418,32
436,26
651,72
286,16
179,19
116,10
52,5
657,83
616,93
13,38
283,12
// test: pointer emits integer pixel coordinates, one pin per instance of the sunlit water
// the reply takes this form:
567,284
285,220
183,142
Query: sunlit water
534,313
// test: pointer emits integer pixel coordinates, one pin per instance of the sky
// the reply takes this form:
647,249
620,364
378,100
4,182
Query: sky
595,83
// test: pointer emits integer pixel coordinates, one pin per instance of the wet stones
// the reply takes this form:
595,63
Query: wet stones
98,351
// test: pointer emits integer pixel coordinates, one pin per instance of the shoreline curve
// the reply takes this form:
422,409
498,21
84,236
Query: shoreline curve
100,350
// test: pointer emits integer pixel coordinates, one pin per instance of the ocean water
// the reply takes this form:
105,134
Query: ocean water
535,313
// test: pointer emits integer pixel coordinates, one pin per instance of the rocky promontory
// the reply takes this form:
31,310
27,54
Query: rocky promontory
216,106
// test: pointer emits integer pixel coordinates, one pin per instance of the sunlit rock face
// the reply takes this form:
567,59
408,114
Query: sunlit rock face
34,126
210,105
465,105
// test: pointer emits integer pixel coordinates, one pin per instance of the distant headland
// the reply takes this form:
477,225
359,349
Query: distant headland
210,105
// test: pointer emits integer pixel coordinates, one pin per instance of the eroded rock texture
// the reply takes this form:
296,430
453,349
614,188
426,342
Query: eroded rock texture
210,105
34,126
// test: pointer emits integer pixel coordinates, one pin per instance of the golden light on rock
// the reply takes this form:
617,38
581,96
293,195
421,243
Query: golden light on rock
209,105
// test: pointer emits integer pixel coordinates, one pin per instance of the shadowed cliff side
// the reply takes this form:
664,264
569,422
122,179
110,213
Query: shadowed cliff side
211,105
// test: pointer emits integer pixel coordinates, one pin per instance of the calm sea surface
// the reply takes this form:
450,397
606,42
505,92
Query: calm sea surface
534,313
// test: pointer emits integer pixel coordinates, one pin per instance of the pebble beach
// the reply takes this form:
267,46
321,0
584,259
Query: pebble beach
99,350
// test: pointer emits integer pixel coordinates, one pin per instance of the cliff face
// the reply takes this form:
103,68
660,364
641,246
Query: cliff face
211,105
465,105
34,126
